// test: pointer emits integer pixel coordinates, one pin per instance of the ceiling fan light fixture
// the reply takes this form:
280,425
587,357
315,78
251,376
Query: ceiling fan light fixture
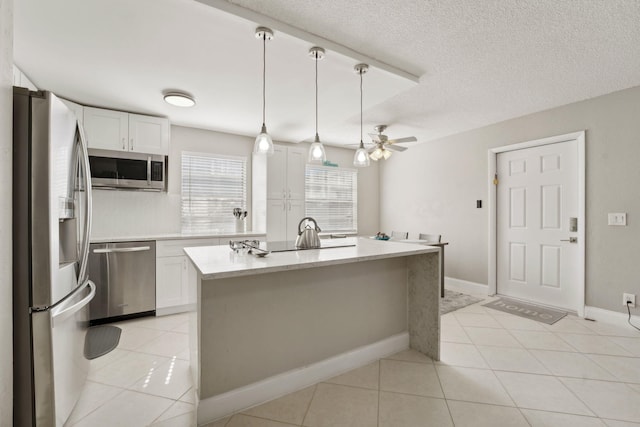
264,143
179,99
316,150
361,157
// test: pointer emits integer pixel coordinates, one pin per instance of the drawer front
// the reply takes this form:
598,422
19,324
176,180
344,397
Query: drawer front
165,248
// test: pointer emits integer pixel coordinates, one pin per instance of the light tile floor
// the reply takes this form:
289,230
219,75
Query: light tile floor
496,370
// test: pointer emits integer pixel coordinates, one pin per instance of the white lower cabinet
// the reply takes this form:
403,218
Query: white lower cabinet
283,217
173,294
171,282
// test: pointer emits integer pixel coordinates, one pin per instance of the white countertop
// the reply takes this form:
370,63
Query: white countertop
215,262
177,236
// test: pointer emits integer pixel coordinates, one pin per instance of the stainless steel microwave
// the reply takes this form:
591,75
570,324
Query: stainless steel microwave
127,170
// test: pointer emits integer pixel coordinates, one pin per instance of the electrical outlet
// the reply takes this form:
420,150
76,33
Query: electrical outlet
629,298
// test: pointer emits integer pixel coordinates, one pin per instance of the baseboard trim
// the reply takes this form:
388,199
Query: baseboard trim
165,311
469,288
222,405
608,316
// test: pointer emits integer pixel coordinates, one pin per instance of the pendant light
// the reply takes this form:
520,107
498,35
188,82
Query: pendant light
361,157
316,151
263,144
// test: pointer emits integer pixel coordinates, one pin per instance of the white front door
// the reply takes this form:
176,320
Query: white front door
537,197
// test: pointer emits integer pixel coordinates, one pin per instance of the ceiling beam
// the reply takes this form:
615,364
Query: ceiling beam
313,39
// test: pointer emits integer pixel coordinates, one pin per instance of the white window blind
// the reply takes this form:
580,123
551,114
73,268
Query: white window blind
212,185
331,198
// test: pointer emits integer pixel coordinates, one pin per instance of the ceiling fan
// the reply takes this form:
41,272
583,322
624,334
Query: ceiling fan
384,146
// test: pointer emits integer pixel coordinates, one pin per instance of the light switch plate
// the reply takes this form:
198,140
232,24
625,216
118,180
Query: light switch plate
617,218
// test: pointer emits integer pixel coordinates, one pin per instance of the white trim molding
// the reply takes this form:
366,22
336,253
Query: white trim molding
611,317
466,287
175,309
579,137
216,407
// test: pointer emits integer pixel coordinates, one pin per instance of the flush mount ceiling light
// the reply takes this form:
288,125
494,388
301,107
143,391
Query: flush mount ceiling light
361,157
316,151
179,99
264,143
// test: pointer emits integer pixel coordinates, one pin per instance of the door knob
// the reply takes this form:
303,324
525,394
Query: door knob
570,240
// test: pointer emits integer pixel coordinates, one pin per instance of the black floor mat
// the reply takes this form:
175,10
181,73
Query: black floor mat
100,340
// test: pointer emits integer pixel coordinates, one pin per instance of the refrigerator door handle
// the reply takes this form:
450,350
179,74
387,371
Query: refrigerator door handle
84,259
61,313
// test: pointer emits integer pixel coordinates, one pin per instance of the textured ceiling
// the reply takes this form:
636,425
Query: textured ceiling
478,61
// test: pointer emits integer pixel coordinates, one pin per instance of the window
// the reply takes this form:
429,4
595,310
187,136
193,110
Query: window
331,198
212,185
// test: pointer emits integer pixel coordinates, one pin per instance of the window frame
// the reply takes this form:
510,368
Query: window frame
326,225
193,223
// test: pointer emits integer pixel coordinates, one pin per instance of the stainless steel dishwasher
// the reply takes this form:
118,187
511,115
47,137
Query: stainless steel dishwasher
125,278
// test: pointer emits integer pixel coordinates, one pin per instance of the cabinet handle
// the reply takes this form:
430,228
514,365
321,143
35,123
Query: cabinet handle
131,148
184,264
289,193
289,206
284,193
123,144
284,205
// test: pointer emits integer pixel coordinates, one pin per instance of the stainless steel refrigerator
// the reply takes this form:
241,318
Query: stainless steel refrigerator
51,229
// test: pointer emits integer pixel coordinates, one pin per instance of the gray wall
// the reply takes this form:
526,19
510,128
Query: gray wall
433,187
257,326
6,102
124,213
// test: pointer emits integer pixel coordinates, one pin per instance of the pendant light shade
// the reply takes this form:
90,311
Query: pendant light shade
316,151
361,157
263,144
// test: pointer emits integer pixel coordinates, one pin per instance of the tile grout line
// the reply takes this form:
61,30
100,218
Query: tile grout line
444,396
379,390
304,418
122,390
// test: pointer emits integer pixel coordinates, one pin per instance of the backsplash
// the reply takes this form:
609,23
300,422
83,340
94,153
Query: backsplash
122,213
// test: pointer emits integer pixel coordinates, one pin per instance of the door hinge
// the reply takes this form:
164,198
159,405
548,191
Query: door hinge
495,179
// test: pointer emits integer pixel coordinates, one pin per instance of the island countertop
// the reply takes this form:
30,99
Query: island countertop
214,262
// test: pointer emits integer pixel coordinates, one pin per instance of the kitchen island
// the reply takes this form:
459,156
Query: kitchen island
265,327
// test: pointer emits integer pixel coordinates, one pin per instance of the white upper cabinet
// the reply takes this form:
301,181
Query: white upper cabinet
148,134
285,173
117,130
106,129
277,173
278,192
296,161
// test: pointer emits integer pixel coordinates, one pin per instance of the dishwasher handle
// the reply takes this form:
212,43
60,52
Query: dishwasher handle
117,250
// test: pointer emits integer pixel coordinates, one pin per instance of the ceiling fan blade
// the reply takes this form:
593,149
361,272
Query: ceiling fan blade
407,139
375,137
371,149
395,147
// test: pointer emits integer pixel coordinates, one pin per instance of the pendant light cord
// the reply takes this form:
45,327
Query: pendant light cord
316,57
264,75
361,143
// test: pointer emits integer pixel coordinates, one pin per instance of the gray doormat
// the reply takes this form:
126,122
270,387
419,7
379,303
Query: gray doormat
100,340
454,300
528,311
